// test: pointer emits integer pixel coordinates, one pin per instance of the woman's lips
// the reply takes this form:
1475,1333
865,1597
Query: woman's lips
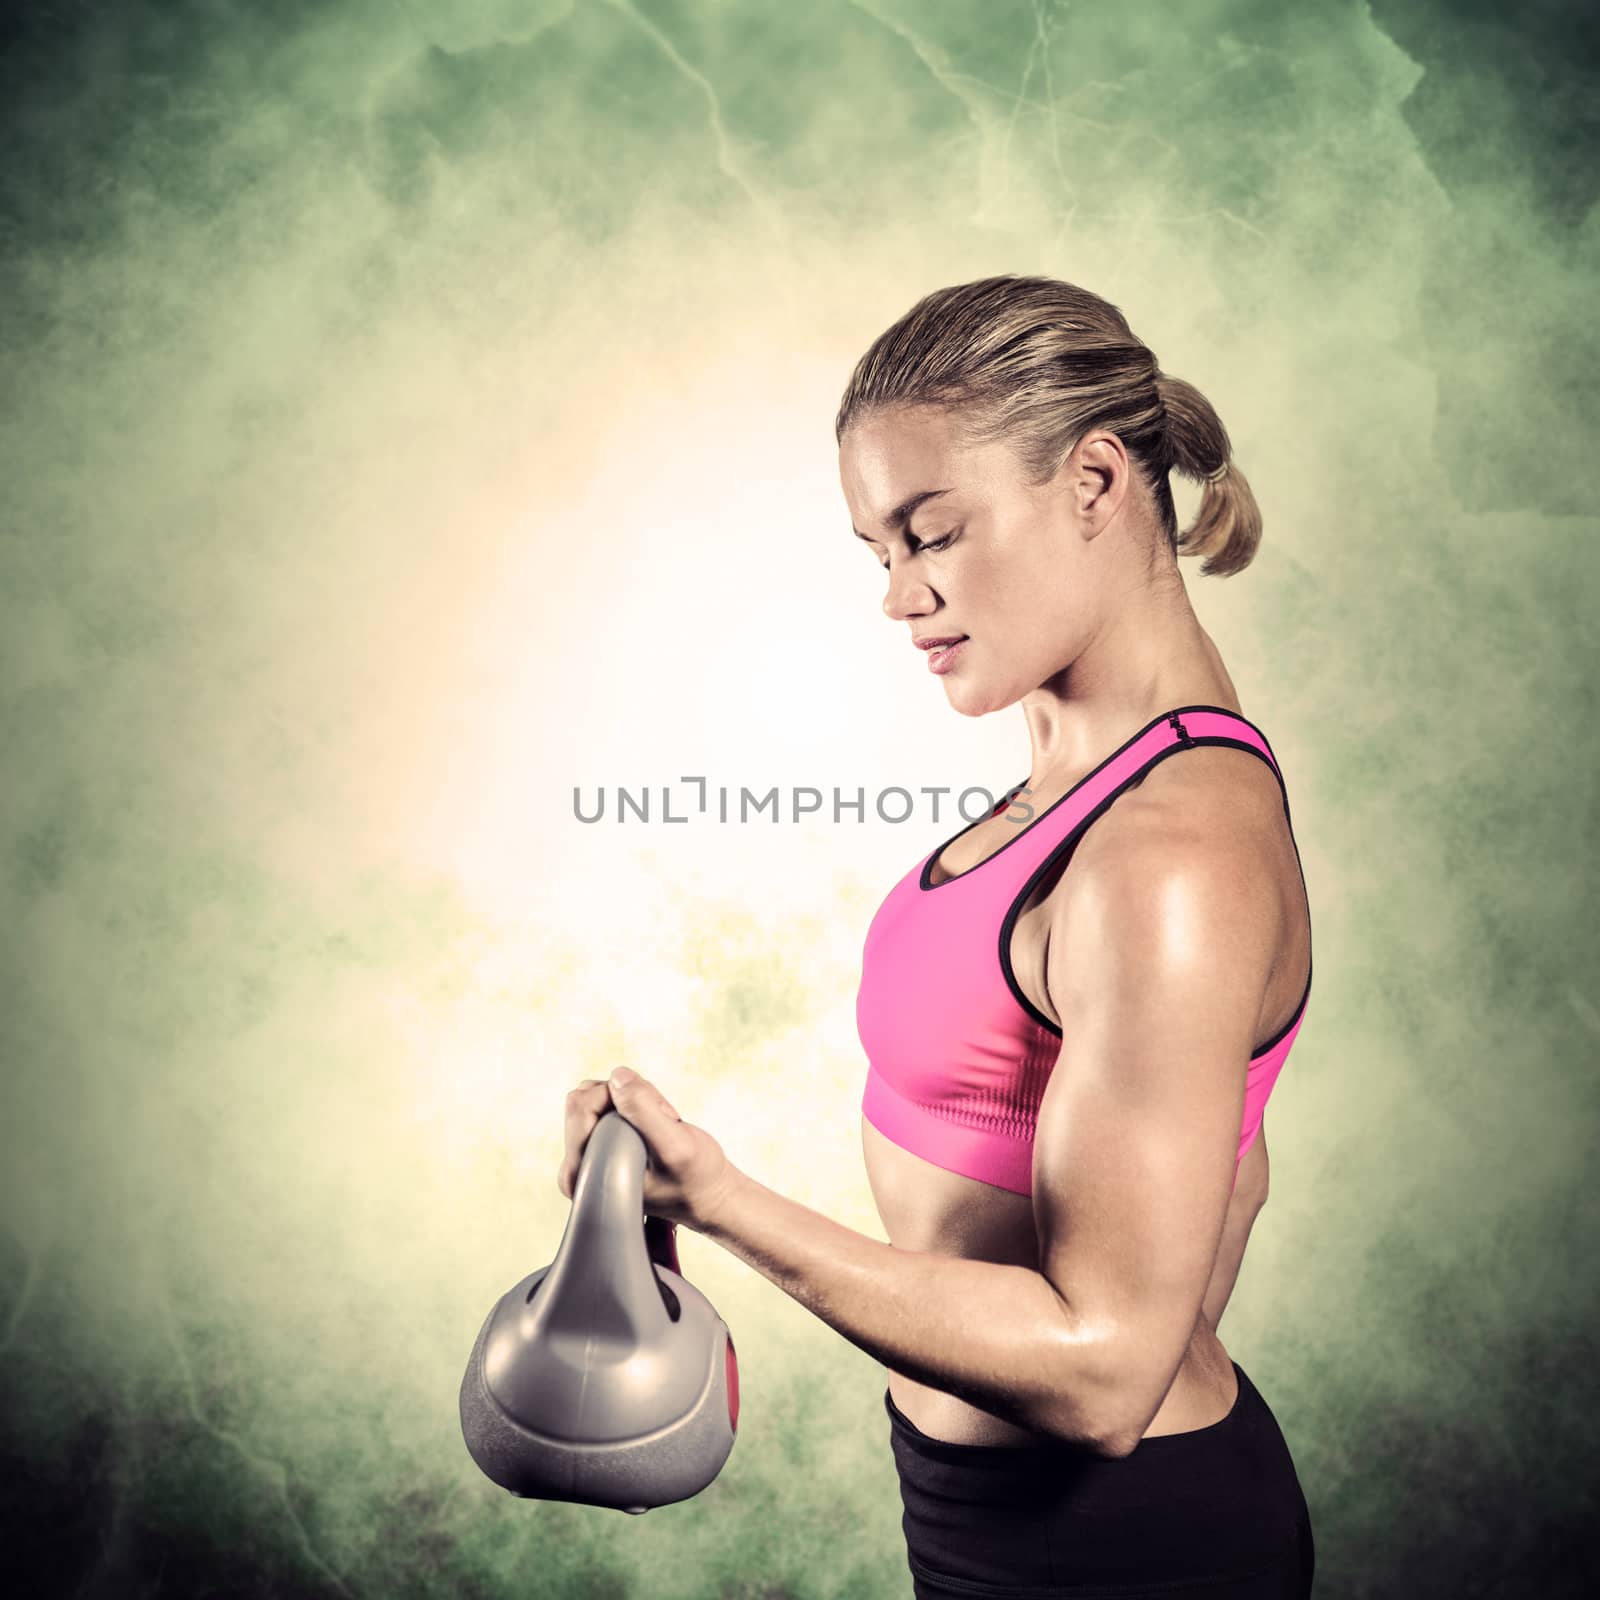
941,660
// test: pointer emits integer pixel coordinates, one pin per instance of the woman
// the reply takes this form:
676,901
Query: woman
1062,1118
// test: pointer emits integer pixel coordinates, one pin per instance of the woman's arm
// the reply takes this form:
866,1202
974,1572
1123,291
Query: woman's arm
1160,950
981,1330
1133,1166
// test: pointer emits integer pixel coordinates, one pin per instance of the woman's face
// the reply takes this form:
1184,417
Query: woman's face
979,553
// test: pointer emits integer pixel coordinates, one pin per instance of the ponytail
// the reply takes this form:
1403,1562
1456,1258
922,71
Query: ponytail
1228,527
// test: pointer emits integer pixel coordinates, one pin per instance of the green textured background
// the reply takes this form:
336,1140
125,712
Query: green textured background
414,410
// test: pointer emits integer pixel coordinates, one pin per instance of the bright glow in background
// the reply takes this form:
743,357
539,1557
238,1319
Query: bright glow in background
414,412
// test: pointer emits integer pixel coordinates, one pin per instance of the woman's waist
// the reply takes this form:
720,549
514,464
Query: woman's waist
1203,1394
951,1420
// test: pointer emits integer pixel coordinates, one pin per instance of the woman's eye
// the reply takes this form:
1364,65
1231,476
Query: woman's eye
935,544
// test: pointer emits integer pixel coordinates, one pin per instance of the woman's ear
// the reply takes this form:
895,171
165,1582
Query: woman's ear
1096,476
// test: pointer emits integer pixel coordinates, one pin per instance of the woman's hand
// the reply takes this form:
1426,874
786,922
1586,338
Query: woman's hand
686,1178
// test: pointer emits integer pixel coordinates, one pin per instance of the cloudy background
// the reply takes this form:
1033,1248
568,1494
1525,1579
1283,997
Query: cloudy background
412,412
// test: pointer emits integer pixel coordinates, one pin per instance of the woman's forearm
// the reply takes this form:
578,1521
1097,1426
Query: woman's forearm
997,1336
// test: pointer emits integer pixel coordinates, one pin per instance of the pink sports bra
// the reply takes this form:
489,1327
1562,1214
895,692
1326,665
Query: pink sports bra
958,1055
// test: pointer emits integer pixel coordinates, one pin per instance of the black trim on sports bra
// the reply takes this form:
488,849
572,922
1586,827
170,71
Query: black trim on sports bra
926,876
1188,741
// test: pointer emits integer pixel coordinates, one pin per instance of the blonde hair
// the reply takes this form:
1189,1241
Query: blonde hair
1040,363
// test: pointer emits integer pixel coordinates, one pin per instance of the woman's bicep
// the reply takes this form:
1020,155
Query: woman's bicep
1138,1129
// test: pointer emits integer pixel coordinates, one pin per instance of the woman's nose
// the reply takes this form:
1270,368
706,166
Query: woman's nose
906,597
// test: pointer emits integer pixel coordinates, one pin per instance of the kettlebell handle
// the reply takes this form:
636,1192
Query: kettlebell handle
617,1147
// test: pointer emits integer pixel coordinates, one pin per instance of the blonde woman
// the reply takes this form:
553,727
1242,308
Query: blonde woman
1074,1008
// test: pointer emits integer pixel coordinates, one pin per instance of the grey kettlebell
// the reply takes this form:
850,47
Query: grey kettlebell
605,1378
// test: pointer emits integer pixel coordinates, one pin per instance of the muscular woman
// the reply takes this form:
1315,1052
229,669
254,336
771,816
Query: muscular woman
1075,1008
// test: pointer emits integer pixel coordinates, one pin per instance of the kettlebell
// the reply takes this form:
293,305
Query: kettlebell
605,1378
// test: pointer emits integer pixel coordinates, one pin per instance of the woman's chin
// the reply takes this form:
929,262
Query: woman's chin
974,698
966,699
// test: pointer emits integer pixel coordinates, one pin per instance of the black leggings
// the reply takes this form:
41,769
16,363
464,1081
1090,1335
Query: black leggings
1215,1512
